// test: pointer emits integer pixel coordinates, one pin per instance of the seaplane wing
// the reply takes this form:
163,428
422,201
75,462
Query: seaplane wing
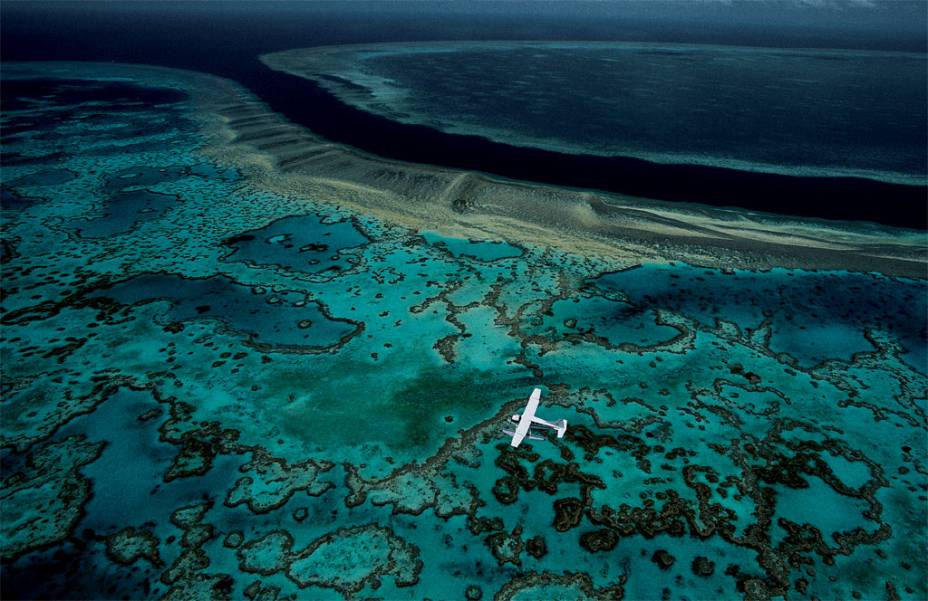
525,420
528,419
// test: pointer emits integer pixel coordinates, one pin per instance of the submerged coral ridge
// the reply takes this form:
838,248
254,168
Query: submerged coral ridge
212,389
512,92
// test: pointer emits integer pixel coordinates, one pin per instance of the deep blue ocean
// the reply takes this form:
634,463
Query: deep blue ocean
227,42
814,112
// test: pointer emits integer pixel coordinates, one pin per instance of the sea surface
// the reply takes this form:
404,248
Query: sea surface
812,112
173,35
213,391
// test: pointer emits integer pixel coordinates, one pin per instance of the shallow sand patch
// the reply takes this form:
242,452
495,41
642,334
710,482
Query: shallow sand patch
287,159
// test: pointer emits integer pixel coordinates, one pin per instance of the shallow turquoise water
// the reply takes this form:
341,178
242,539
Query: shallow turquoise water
481,250
230,394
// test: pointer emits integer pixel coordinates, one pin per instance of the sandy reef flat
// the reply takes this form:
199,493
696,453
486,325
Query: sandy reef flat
290,160
200,300
479,205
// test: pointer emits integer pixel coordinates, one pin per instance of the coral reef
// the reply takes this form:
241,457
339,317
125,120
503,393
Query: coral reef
213,387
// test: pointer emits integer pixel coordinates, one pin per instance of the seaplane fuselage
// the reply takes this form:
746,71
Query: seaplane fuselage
527,419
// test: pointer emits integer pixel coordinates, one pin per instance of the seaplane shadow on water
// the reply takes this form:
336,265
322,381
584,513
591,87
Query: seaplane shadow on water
527,420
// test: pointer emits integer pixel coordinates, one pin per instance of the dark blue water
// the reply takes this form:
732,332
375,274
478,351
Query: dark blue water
808,112
227,42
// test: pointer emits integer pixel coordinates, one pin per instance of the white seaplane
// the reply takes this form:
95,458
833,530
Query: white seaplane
527,420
